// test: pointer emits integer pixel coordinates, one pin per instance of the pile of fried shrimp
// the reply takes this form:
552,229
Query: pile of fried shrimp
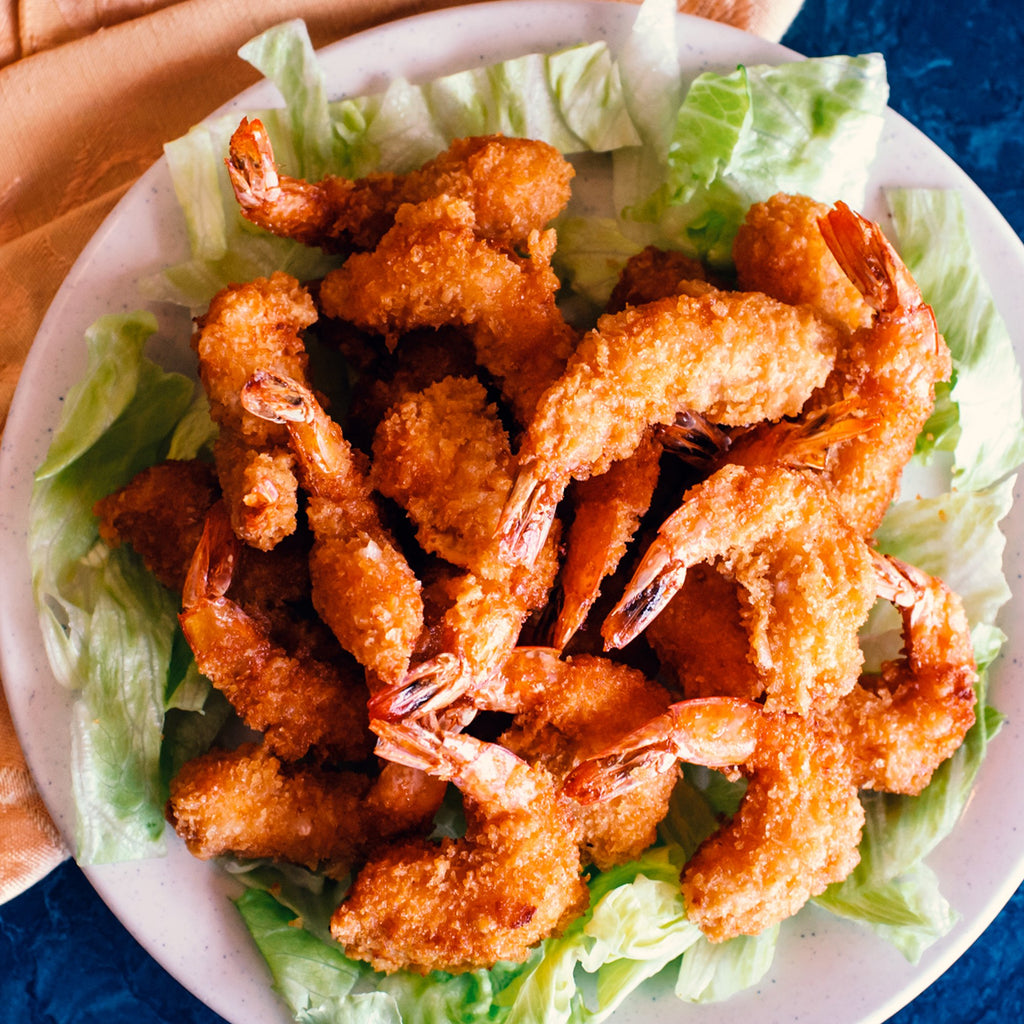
544,564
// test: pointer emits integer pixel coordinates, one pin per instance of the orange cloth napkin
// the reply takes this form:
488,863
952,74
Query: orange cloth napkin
89,92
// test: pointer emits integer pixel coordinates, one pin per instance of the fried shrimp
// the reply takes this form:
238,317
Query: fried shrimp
796,832
445,457
798,825
889,368
807,577
903,723
362,585
513,186
779,250
736,358
298,703
654,273
249,327
249,803
433,269
160,512
511,881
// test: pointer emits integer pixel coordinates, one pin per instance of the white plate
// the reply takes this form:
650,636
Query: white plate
178,907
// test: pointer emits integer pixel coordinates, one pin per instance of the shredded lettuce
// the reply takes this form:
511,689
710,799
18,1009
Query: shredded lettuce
687,158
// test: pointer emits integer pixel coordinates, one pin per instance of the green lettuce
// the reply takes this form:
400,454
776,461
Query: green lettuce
108,626
986,386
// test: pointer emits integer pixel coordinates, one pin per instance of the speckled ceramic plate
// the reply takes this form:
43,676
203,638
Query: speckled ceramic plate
178,907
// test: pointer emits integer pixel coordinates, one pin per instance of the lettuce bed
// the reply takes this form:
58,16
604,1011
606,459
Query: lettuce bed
684,159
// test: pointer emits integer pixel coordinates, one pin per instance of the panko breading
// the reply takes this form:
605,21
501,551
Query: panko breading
433,269
248,803
511,881
160,513
250,327
514,186
796,831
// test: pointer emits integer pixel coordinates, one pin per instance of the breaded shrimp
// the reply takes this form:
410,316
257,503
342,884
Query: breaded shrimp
445,457
432,269
779,250
890,368
160,513
807,577
900,725
249,327
796,832
798,825
249,803
363,587
513,880
513,185
654,273
298,703
736,358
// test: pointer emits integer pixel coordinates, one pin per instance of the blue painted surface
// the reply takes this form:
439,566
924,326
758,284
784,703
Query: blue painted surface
955,71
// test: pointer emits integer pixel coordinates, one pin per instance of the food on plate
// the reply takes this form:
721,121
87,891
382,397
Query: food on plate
421,395
584,771
251,326
513,879
514,186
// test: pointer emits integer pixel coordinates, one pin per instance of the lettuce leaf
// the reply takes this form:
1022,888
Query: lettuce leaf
980,416
108,626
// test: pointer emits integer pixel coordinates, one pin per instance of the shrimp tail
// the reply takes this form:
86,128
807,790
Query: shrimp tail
277,399
714,731
213,564
429,687
251,165
527,516
693,439
655,583
868,260
899,583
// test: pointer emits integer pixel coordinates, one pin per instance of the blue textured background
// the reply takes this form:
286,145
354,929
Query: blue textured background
955,71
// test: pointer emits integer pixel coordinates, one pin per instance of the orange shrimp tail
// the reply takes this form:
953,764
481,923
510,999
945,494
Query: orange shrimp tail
655,584
275,398
250,163
693,439
429,687
213,563
527,517
868,259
